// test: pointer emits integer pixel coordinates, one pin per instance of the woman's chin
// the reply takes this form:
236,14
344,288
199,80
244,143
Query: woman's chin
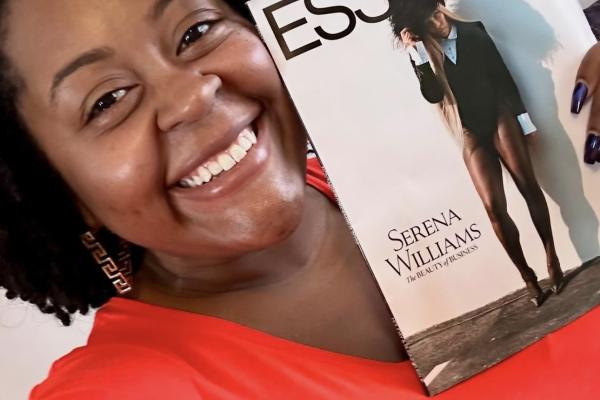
239,232
271,231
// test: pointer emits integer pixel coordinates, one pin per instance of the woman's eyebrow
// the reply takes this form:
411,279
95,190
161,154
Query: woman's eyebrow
99,54
84,59
159,8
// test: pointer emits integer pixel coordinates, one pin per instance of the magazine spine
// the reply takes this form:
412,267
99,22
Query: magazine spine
404,342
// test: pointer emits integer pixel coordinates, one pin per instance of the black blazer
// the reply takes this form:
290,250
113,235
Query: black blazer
480,81
593,15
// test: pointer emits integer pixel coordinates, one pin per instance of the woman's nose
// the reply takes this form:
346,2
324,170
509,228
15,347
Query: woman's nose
185,99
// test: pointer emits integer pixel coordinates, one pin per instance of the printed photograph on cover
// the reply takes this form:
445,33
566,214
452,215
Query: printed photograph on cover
446,129
592,12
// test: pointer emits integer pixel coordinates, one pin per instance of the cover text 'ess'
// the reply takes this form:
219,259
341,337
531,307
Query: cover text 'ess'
353,17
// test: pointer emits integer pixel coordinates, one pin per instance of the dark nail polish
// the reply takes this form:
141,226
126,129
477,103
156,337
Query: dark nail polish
579,96
592,149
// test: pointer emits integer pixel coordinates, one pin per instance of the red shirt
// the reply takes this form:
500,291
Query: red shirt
141,351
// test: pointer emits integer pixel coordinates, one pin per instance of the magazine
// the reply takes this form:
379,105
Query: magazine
446,131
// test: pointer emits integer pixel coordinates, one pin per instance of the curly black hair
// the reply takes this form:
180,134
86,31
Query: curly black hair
42,260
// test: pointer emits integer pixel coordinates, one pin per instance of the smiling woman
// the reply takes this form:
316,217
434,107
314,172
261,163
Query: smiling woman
164,125
125,123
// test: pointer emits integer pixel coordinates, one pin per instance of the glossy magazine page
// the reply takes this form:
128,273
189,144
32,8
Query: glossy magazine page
447,133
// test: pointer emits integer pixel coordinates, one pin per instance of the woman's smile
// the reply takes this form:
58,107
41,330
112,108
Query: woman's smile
222,162
236,163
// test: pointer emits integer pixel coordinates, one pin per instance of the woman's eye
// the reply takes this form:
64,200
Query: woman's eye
192,35
105,102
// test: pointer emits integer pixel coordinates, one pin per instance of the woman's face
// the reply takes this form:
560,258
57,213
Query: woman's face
438,25
149,108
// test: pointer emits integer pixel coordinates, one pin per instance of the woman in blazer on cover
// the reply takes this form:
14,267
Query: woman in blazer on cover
460,70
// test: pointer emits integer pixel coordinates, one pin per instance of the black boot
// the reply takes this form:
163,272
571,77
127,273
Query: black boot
557,277
536,294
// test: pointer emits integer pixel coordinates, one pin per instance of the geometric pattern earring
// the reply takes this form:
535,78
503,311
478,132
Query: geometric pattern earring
119,273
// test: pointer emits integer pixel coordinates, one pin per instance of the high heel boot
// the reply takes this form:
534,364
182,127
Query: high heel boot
536,294
557,277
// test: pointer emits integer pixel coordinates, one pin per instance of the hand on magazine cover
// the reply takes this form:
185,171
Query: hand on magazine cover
588,84
409,39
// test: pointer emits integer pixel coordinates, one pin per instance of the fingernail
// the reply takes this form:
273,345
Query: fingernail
592,149
579,96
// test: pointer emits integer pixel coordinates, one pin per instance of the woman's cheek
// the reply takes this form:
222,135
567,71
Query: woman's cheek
117,184
251,69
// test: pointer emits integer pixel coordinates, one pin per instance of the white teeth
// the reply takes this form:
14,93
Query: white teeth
187,182
250,135
214,168
198,181
237,152
224,161
245,143
204,174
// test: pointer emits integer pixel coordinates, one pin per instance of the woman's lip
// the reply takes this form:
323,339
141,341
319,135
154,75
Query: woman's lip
234,179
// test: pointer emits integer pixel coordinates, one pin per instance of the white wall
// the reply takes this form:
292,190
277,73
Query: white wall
29,342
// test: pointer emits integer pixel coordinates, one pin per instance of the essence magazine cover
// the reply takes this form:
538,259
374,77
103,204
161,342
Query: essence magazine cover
446,130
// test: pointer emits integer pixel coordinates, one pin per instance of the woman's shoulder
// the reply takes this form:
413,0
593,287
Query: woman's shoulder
475,33
108,371
470,27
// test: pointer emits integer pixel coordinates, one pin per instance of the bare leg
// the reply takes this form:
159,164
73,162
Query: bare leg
512,148
484,166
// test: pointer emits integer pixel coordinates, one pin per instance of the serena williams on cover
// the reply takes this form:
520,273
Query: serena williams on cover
460,70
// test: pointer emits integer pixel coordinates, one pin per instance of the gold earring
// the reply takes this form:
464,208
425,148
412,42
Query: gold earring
118,274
